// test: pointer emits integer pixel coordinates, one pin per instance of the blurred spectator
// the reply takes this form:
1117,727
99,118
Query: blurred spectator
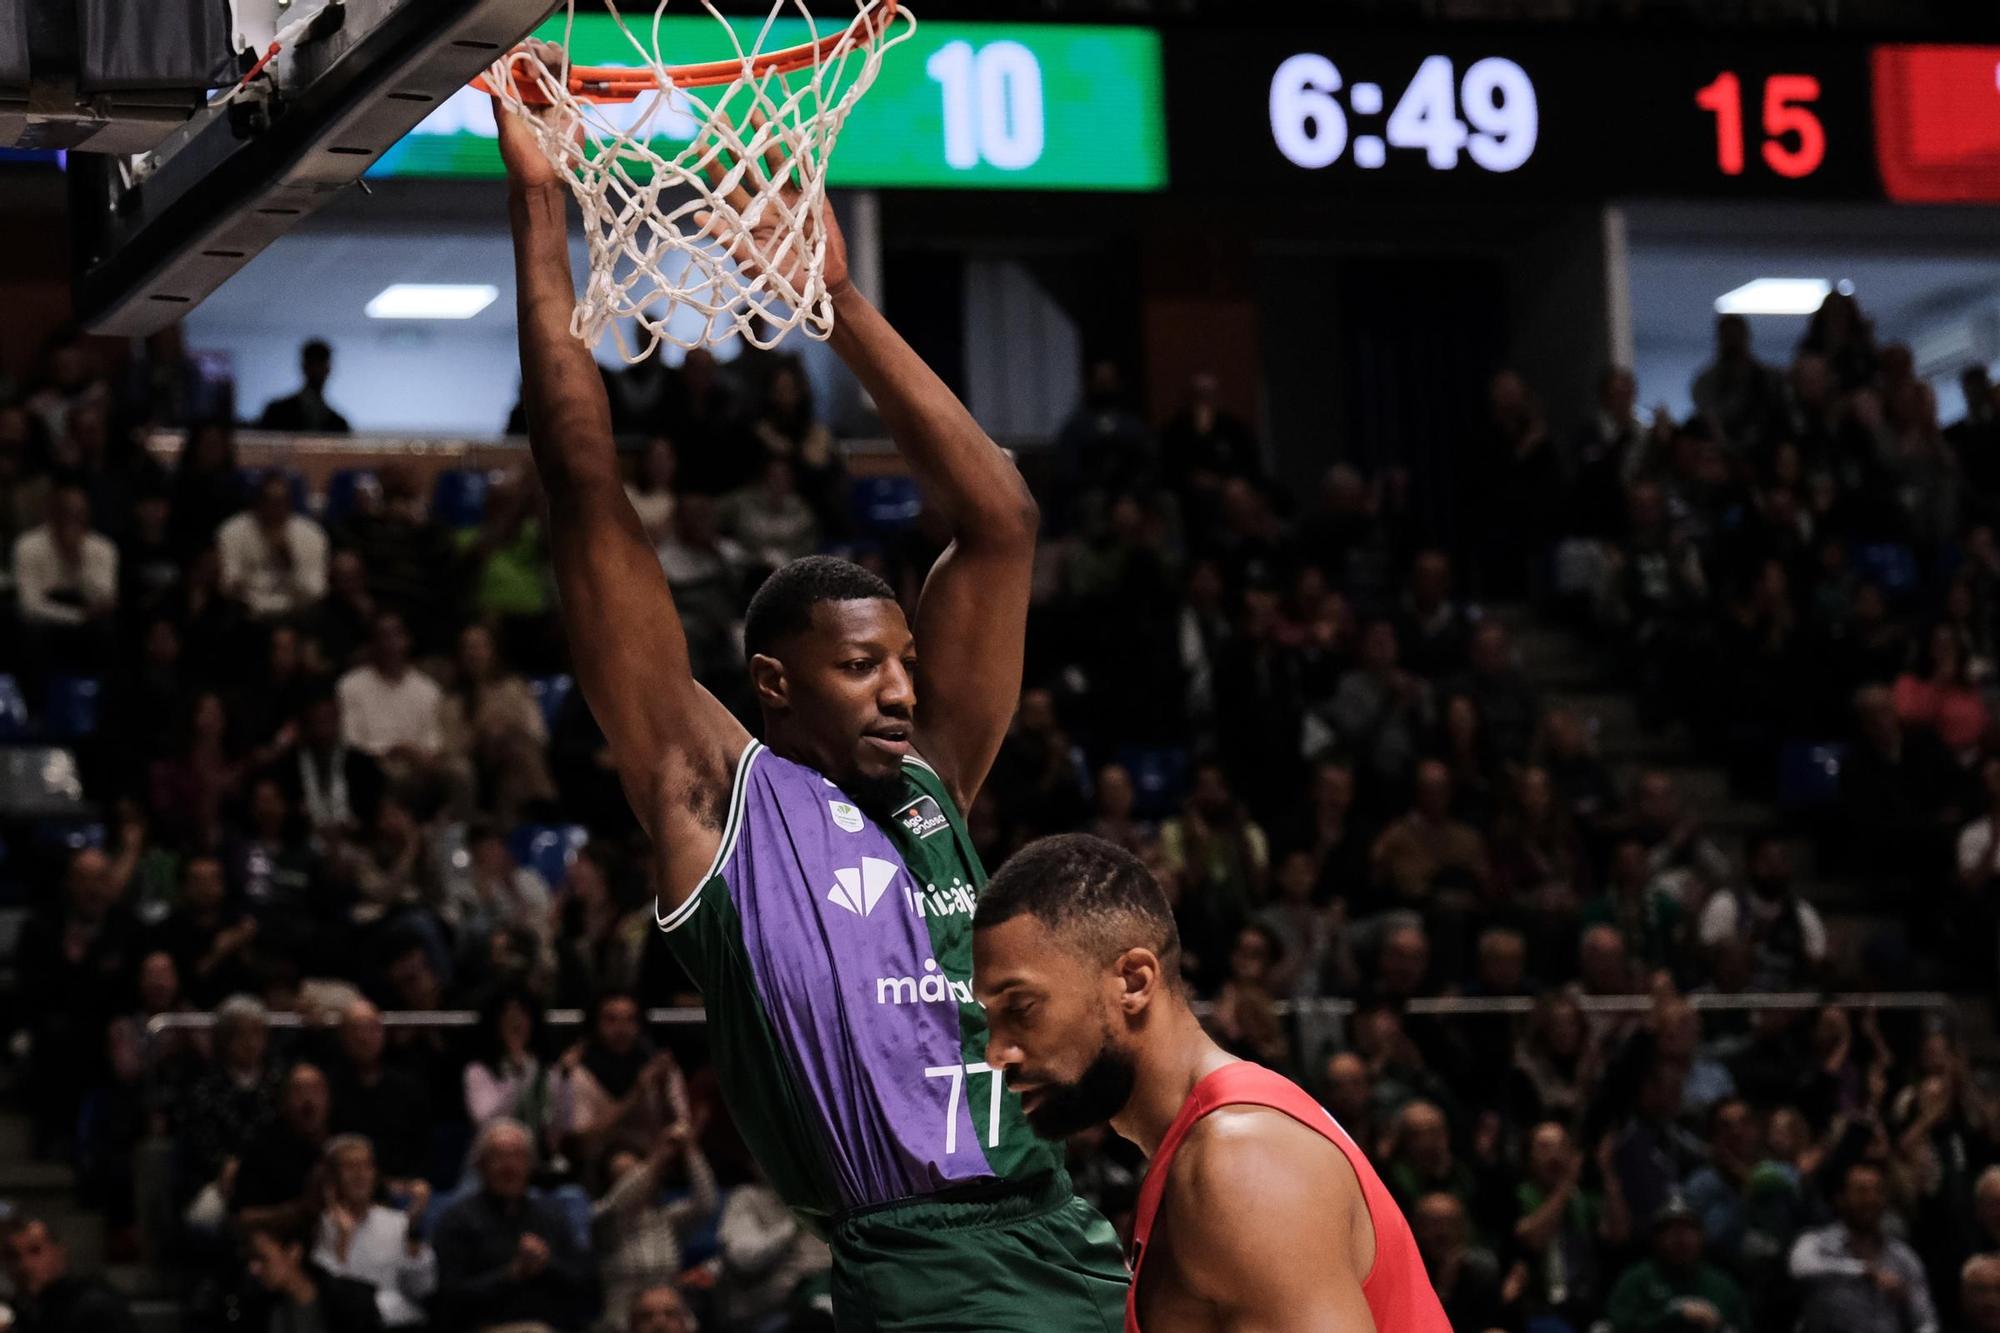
192,787
1603,968
651,490
506,1079
307,410
73,957
1310,953
1220,854
1609,444
1741,397
1582,781
403,554
274,561
769,1259
360,1238
493,730
1556,1068
1786,933
658,1309
1348,1095
281,1162
208,937
1203,443
509,583
1672,833
1939,695
385,1106
707,572
1676,1291
336,786
1467,752
1465,1275
1540,864
506,1254
1327,829
617,1087
1114,821
769,519
1433,631
1427,854
207,486
1653,1154
1260,704
1901,793
1508,706
47,1296
789,428
1647,914
24,486
389,710
637,1229
1379,713
1749,1205
1565,1232
1979,1294
66,583
1103,438
238,1098
1853,1275
1245,1020
297,1293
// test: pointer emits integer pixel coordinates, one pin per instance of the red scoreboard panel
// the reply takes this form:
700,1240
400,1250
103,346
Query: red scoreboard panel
1937,123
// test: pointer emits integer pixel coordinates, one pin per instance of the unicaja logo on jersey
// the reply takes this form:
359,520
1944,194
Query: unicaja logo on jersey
859,889
954,899
932,987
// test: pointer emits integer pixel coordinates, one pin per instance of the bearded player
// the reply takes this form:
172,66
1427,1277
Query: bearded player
819,885
1258,1214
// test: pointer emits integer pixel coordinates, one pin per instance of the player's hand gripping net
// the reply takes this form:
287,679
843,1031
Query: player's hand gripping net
734,227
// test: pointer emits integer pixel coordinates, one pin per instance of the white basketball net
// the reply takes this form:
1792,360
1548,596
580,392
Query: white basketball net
649,257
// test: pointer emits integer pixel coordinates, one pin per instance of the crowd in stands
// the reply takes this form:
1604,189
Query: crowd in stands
341,776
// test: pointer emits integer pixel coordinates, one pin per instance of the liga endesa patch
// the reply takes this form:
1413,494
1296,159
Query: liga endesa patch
922,817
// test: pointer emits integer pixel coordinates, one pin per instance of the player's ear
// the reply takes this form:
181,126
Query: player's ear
1140,973
767,679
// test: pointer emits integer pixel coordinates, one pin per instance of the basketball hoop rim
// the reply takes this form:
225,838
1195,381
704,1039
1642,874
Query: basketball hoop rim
622,83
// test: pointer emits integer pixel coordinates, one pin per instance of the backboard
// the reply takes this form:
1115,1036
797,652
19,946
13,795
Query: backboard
199,131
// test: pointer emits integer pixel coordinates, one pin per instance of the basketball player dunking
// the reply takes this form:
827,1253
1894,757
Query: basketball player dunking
1258,1214
819,885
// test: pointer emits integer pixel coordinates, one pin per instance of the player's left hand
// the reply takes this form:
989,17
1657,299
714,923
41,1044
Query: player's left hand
752,226
528,167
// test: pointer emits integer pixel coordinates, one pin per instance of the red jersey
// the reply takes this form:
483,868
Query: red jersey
1397,1288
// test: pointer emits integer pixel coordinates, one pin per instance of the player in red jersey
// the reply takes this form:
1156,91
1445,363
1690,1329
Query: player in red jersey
1258,1213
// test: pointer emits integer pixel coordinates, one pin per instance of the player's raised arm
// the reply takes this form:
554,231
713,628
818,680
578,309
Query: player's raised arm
1268,1225
674,744
972,617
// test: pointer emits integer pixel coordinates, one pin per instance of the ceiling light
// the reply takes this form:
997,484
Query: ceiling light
1775,296
432,300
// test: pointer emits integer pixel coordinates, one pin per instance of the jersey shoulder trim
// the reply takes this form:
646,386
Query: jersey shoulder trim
732,828
920,762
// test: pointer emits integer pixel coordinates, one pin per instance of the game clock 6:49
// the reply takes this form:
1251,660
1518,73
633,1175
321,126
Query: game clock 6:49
1488,114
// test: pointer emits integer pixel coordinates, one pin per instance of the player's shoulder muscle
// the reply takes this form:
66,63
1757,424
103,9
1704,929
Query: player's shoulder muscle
1254,1199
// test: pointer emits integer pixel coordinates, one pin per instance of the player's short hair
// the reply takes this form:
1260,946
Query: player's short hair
1093,893
783,605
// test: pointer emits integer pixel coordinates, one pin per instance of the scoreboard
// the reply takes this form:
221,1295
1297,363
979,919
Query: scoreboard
1459,113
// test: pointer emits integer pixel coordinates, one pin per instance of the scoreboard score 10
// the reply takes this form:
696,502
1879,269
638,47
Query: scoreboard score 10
1490,113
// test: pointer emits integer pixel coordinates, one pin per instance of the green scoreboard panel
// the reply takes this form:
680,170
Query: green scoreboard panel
957,106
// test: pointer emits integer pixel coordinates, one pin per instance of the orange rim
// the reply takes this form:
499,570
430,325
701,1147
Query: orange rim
617,83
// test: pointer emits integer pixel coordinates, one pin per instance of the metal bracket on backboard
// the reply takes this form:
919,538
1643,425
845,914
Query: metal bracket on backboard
149,244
